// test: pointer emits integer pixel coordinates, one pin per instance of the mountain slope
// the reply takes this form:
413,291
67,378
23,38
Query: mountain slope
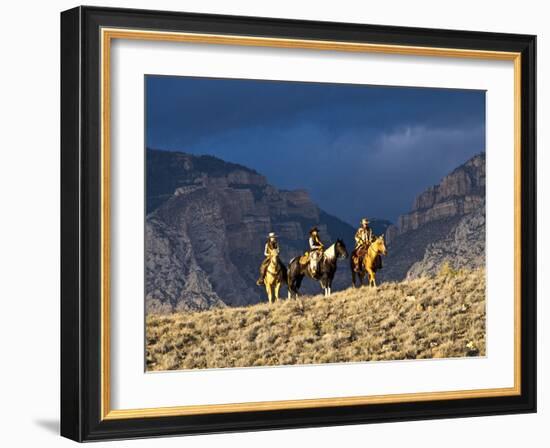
206,226
436,317
168,170
464,247
433,222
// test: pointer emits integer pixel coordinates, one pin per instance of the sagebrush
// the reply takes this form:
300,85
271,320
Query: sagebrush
437,317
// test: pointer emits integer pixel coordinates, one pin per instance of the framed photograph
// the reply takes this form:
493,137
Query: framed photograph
276,224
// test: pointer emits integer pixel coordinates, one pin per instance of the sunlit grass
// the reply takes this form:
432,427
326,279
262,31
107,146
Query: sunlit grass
436,317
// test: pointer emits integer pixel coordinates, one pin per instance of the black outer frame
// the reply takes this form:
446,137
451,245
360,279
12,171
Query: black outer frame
80,224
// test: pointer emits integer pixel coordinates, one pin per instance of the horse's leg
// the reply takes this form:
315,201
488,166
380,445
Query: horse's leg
277,287
353,278
371,277
268,291
326,286
366,273
291,281
299,279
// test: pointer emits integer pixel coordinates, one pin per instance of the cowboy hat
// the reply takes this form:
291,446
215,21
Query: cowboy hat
272,235
365,221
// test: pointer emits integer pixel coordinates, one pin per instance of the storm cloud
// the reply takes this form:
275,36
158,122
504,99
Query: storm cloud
360,150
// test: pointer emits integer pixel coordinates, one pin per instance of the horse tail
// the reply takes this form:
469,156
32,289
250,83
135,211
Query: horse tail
289,276
355,261
293,276
284,274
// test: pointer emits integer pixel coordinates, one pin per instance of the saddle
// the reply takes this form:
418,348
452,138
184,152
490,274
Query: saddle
311,260
357,254
310,255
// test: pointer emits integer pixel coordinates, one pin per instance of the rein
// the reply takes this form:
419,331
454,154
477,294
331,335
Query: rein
371,247
376,252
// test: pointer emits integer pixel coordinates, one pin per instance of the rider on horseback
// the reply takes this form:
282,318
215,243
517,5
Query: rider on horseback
363,236
363,239
271,247
316,247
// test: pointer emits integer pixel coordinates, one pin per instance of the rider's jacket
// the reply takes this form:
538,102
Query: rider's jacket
363,236
270,246
315,243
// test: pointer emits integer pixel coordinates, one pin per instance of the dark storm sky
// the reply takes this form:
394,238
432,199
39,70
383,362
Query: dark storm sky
359,150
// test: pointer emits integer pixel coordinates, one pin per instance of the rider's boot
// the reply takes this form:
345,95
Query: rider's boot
263,271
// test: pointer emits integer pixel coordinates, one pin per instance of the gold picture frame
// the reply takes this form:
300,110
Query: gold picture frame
106,31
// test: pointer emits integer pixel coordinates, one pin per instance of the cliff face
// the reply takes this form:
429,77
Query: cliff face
436,216
459,193
206,226
464,247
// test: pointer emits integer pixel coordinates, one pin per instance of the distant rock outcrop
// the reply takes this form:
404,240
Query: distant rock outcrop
450,211
206,225
464,247
174,279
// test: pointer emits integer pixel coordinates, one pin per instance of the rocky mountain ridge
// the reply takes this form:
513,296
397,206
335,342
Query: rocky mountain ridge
207,221
443,220
459,193
206,225
464,247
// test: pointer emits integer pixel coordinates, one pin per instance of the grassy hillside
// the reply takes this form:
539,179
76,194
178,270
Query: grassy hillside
437,317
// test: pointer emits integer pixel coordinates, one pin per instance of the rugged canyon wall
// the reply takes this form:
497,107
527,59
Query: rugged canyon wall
446,221
207,222
206,226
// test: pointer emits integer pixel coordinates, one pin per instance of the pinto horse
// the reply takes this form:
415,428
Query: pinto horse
324,274
369,263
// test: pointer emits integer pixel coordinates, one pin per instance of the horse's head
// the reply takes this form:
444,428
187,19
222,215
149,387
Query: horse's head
340,248
379,245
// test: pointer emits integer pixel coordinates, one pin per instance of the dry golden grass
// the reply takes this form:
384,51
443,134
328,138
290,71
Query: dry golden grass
438,317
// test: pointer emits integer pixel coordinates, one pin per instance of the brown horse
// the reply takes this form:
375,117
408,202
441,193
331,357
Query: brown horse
369,263
274,277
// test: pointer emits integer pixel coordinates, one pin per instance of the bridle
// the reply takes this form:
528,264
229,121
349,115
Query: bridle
341,252
371,246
